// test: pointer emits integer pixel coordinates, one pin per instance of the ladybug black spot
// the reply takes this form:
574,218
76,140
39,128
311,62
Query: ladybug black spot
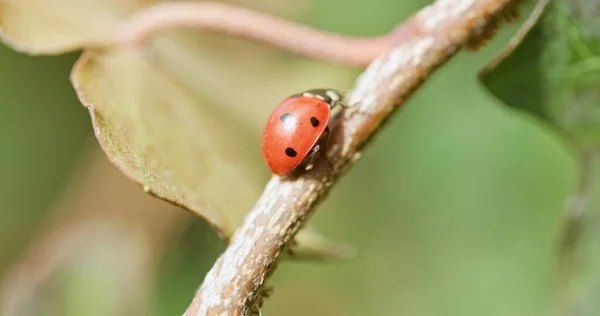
290,152
285,116
314,122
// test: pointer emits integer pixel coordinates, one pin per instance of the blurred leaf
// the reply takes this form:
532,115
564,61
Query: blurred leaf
554,70
579,277
107,270
160,132
98,204
57,26
311,245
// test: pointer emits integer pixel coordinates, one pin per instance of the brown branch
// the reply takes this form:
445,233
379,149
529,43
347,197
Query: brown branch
248,24
234,284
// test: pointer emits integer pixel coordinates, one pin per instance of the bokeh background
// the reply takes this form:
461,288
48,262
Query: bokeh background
455,208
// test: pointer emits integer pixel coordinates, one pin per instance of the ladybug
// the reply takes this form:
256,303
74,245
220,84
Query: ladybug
297,129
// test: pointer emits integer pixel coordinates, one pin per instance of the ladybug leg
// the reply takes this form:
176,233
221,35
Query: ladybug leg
323,142
310,159
325,139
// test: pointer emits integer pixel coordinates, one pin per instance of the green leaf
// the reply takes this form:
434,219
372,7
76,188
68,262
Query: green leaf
155,125
553,71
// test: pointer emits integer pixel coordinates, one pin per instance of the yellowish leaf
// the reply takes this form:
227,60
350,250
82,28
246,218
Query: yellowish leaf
161,131
58,26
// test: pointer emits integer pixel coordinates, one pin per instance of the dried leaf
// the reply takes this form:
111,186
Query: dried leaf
151,113
57,26
161,132
164,137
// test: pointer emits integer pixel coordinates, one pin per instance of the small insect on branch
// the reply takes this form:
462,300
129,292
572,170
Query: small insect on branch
234,284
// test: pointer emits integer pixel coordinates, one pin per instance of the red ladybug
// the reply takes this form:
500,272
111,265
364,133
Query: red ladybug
297,129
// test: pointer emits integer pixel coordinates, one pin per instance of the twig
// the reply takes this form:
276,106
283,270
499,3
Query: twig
235,283
245,23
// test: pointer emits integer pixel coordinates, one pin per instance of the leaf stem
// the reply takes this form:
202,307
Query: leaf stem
245,23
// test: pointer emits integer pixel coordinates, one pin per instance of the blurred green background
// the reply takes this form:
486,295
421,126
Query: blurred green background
455,207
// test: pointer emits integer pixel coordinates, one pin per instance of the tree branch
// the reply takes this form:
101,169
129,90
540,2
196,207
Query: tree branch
234,284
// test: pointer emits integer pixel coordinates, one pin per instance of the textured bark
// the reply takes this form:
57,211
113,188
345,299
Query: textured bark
235,283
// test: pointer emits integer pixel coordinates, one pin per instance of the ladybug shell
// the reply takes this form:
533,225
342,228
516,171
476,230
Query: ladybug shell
292,130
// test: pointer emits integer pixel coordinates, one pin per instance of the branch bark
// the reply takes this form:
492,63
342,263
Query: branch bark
234,286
